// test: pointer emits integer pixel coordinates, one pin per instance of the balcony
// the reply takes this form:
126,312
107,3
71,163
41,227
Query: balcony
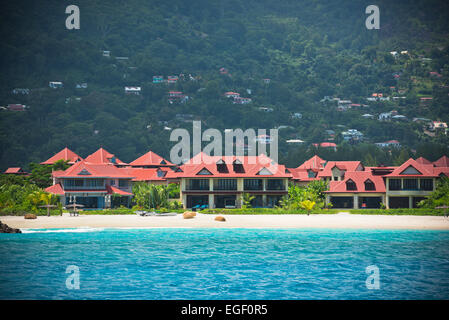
197,185
225,185
252,184
275,185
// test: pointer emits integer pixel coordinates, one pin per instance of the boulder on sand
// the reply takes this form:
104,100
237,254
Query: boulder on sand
30,216
220,218
193,213
188,215
5,229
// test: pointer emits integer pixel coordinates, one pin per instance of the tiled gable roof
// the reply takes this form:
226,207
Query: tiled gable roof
65,154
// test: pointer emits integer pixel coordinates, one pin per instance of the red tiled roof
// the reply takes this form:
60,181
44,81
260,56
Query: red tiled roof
325,145
101,156
150,159
92,170
55,189
14,170
425,170
422,160
112,190
359,178
442,162
252,166
342,165
144,174
65,154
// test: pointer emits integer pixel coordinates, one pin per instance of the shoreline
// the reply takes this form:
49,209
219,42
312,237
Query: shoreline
341,220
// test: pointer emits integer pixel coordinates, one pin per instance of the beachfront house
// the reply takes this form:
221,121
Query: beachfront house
353,186
220,181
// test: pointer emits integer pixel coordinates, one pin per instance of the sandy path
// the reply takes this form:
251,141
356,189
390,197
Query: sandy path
341,220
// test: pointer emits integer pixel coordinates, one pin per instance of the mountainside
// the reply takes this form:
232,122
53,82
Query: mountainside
307,49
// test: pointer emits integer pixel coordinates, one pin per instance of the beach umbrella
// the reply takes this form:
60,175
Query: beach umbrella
74,206
48,206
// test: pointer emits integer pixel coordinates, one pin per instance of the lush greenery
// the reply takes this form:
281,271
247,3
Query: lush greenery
309,49
412,212
21,199
438,198
255,211
150,196
305,197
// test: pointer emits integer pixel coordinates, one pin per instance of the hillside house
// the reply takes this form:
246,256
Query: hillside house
17,107
177,97
389,144
172,79
81,85
55,84
385,116
158,79
240,100
24,91
231,94
133,90
329,145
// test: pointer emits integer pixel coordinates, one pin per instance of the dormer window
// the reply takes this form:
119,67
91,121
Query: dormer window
204,172
369,185
84,172
350,185
237,166
222,167
311,174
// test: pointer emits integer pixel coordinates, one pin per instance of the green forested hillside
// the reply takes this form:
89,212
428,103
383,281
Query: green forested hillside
307,48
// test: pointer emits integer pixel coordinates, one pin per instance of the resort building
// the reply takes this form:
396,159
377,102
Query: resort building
91,184
221,181
351,185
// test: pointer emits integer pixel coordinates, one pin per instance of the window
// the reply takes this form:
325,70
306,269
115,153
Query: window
369,185
198,184
350,185
394,184
253,184
311,174
123,183
410,184
275,184
225,184
426,184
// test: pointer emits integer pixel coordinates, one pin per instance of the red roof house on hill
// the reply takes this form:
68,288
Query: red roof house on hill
65,154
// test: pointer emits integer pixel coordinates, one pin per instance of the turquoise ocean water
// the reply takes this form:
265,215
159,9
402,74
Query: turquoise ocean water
224,264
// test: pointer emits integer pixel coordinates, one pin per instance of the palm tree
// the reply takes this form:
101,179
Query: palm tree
47,199
247,198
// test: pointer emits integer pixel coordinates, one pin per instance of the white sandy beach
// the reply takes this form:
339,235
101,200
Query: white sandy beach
341,220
